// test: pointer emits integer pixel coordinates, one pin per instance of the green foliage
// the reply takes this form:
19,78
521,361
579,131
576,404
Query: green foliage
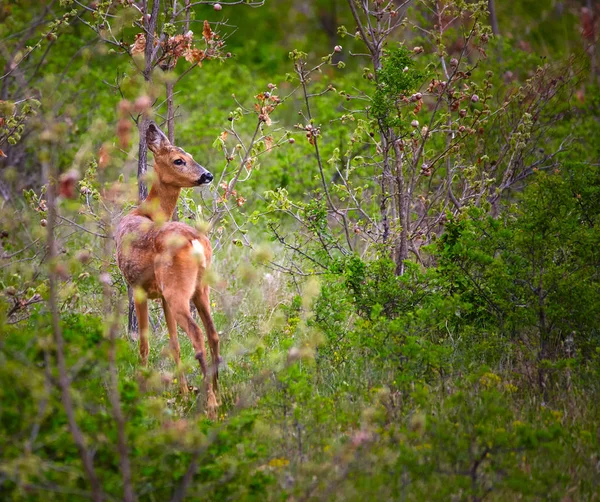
396,79
520,273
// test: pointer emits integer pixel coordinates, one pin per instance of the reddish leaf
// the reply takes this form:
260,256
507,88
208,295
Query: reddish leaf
194,56
207,33
66,184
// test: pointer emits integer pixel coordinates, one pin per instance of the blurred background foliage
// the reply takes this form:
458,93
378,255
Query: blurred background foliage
406,270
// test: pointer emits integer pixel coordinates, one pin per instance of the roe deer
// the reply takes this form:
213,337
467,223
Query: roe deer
167,260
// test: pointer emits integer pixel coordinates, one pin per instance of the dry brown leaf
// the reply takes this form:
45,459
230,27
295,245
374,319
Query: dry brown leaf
207,33
194,56
177,46
269,142
265,116
139,46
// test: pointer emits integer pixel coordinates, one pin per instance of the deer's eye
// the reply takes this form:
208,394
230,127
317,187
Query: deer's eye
179,162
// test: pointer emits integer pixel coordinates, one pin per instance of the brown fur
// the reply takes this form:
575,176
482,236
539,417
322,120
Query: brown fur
157,256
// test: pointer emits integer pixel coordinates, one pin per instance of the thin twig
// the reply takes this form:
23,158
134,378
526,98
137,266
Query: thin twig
63,375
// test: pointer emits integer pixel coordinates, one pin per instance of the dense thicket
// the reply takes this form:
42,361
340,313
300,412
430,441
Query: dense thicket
406,270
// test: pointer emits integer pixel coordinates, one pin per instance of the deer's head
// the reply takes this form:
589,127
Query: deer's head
172,165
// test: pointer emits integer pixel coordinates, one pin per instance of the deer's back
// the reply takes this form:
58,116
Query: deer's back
141,243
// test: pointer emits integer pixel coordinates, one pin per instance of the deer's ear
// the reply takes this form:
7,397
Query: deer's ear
156,139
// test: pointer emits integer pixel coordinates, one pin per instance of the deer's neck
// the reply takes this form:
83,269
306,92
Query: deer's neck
161,201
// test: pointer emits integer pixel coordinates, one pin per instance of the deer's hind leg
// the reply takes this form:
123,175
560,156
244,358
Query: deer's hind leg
178,282
174,344
201,300
141,310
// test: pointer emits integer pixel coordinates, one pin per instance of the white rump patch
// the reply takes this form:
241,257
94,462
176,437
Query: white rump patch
198,252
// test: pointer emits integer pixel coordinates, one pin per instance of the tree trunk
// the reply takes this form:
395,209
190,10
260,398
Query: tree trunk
150,25
171,127
493,17
132,322
401,249
544,350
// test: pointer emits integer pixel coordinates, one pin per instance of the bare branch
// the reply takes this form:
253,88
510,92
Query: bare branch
63,376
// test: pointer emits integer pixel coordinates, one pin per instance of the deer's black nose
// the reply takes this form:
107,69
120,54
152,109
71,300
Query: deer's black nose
205,178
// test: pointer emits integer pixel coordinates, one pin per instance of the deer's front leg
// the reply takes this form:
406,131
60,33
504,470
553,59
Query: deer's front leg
180,307
201,300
